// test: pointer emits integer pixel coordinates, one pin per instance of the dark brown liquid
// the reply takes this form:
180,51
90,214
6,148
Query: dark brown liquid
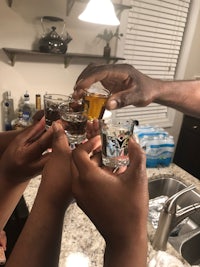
51,115
74,125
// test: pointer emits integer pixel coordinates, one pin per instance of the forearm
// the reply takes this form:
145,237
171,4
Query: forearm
133,254
9,197
181,95
40,240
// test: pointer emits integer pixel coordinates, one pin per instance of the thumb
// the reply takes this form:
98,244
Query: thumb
137,157
81,155
60,142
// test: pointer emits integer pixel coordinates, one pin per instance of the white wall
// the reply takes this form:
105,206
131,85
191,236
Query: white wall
21,28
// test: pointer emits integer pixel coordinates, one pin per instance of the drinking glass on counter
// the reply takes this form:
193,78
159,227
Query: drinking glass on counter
73,115
115,135
51,104
95,99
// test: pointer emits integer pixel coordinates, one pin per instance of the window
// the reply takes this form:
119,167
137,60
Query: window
152,44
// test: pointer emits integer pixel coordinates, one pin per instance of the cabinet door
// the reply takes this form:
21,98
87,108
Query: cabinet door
187,154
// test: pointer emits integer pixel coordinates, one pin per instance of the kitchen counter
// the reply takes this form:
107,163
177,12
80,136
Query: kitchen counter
80,237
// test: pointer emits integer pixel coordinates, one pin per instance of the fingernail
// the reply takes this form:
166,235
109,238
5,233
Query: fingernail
113,104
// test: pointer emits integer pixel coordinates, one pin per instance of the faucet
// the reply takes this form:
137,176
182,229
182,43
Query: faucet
170,217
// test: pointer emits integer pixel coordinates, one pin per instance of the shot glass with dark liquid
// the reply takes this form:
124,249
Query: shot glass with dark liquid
51,104
74,118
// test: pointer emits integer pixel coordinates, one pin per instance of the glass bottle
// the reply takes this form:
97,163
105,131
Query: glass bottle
19,123
7,111
37,102
26,108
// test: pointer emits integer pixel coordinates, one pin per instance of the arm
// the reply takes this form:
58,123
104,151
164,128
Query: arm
116,203
39,242
22,160
131,87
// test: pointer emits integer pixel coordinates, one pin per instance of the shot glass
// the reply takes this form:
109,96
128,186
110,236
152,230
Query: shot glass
51,104
115,135
95,99
74,118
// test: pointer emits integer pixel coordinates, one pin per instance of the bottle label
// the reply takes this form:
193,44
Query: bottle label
26,115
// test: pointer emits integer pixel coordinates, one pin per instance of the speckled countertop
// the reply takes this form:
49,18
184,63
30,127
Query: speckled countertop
81,241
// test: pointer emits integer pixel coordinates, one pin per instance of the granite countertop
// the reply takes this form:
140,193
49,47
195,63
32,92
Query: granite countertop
82,245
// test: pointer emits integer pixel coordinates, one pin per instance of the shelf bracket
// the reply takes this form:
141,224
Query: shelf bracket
10,2
11,56
70,4
67,61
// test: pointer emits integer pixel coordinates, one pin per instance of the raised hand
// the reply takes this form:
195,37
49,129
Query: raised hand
116,203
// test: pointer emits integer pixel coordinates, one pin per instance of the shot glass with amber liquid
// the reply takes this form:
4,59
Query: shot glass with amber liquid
94,101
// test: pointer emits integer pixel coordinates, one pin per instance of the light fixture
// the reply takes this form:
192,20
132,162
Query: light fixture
100,12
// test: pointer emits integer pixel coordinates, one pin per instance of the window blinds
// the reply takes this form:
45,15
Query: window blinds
152,43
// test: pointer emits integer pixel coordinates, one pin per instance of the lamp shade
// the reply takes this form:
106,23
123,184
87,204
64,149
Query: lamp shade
100,12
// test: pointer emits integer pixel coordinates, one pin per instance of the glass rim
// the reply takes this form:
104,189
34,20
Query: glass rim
56,96
103,92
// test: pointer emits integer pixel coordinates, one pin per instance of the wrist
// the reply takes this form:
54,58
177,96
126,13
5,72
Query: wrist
131,253
54,197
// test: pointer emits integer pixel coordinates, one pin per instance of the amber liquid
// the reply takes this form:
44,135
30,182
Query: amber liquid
95,105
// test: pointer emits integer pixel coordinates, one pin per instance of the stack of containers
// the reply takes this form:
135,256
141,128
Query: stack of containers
157,143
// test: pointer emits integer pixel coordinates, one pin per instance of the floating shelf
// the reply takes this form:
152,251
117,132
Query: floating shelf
20,54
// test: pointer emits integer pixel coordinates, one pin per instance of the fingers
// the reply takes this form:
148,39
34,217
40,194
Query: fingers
120,99
137,158
38,116
92,128
34,131
84,72
90,75
81,155
3,239
60,142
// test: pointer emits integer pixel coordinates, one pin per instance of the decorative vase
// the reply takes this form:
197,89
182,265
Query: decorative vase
106,51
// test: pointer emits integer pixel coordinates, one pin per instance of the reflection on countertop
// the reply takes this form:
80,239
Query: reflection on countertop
82,245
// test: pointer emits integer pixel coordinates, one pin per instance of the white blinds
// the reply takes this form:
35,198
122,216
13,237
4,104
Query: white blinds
153,39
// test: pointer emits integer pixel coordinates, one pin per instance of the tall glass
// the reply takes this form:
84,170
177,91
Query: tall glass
115,135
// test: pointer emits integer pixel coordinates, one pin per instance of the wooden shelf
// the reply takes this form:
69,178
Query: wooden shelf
23,54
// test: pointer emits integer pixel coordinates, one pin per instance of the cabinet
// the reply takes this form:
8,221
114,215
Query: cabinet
187,154
23,54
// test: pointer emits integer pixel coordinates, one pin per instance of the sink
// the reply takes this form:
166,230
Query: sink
185,238
190,250
164,187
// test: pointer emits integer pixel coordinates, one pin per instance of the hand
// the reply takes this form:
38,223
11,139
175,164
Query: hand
24,157
38,116
3,239
92,128
116,203
127,85
56,176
